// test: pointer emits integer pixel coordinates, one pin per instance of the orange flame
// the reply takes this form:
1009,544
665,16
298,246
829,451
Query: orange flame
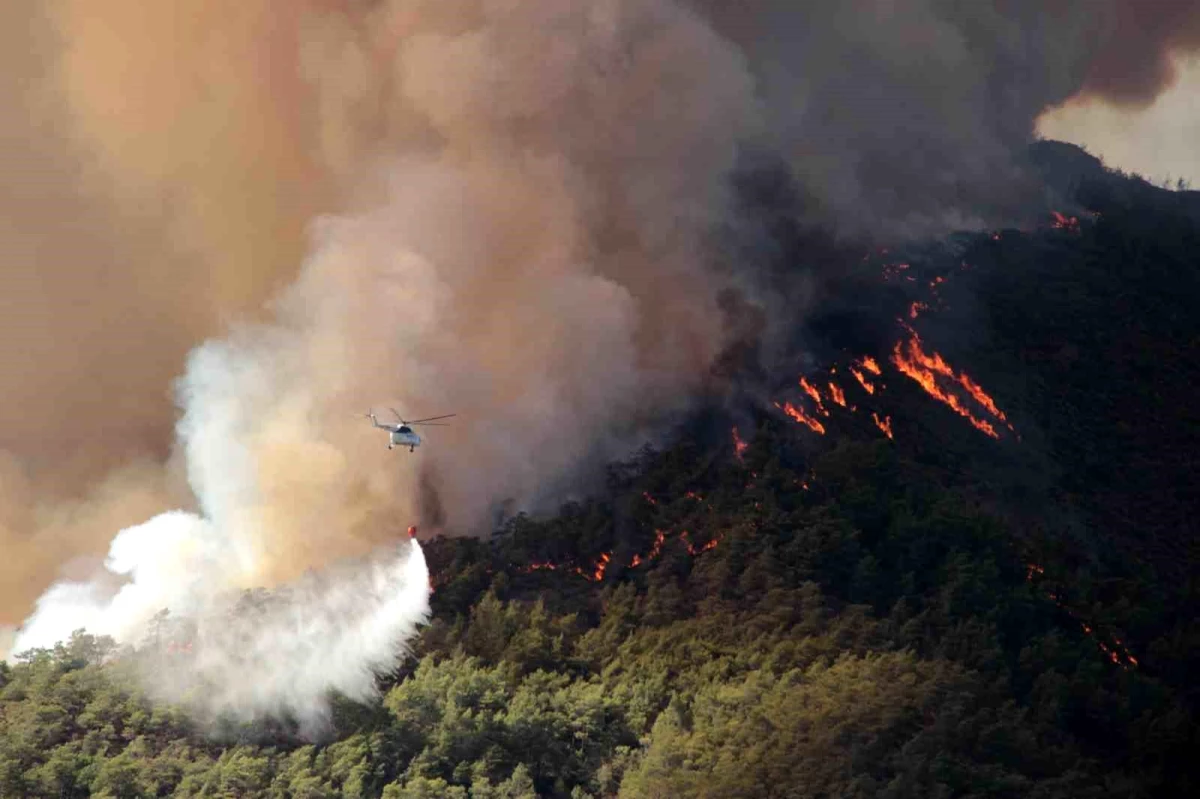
694,550
838,395
924,369
813,392
1062,222
801,417
601,565
870,365
862,380
884,424
540,566
982,398
660,538
739,446
935,363
915,309
1115,653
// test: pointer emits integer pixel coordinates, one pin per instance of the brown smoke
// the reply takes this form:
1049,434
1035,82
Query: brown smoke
1137,61
154,186
524,188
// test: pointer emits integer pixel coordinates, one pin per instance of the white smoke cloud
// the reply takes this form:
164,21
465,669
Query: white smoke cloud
242,656
314,633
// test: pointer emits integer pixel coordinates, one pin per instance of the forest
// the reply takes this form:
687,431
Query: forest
896,604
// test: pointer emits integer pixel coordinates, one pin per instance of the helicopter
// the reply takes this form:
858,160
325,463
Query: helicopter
401,434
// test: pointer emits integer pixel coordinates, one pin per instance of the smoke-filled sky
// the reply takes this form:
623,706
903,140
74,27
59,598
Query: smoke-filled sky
263,218
1160,141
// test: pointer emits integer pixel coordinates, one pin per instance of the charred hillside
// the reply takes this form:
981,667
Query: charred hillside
944,544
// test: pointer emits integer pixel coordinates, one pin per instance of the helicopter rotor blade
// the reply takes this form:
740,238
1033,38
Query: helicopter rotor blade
431,418
431,424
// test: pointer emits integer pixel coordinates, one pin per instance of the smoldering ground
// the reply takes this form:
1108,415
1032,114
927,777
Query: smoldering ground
500,209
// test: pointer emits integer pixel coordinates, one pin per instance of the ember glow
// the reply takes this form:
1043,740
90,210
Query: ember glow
595,574
660,538
694,550
739,446
1063,222
596,571
1115,653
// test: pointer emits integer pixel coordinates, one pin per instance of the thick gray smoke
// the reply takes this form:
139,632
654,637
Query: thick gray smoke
910,117
520,201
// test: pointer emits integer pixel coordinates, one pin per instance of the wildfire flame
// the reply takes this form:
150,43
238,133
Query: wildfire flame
884,424
660,538
812,391
694,550
801,417
535,567
601,565
739,446
862,380
1063,222
838,395
598,569
911,359
595,575
1115,653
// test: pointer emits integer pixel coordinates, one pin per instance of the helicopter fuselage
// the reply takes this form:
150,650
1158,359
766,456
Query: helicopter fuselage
404,437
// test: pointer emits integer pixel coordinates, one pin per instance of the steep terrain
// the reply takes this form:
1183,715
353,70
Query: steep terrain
953,553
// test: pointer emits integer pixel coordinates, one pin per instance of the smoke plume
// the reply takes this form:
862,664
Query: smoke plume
499,209
910,117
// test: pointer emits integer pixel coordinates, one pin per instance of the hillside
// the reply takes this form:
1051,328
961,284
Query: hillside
983,584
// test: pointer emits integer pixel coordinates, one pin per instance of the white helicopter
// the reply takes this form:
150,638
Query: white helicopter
401,434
